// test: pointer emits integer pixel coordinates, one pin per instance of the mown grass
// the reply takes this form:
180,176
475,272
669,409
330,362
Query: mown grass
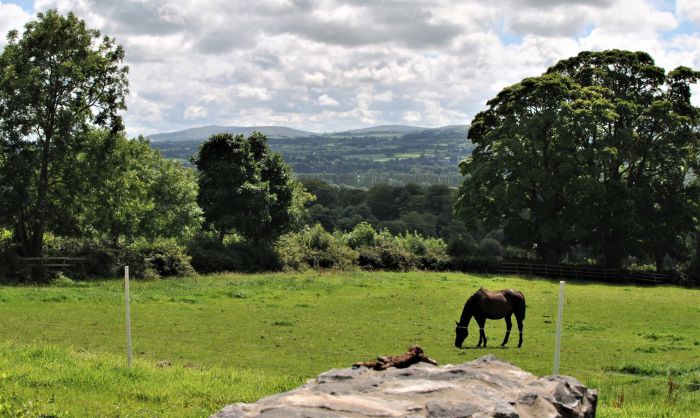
232,338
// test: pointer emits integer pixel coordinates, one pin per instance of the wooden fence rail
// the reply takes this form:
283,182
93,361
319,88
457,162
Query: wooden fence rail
52,263
581,272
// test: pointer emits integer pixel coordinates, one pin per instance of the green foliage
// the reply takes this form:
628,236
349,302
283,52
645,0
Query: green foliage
404,252
161,258
315,248
57,81
362,235
595,152
426,210
268,202
101,259
364,247
489,247
129,191
429,253
210,255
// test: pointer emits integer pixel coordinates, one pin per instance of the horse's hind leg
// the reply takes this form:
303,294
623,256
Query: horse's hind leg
509,325
519,318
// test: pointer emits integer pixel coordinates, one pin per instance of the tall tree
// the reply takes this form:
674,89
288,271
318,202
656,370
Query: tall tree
57,81
247,189
590,152
524,174
642,156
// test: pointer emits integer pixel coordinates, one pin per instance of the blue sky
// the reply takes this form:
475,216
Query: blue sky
327,65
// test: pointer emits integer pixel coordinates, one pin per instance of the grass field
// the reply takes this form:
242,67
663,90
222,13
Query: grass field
231,338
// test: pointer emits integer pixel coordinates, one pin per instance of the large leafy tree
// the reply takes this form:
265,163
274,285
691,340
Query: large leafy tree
596,151
123,190
645,205
57,81
247,189
524,175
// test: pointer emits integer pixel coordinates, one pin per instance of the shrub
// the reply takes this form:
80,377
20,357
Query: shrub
386,253
461,245
489,247
210,256
362,235
11,268
314,247
165,258
478,264
146,259
428,253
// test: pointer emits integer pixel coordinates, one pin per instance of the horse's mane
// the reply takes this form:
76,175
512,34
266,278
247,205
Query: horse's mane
474,296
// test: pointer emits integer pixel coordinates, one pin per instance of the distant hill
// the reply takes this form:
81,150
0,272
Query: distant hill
204,132
201,133
393,154
381,130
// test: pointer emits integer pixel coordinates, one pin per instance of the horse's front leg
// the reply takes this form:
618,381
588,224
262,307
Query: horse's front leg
509,325
482,335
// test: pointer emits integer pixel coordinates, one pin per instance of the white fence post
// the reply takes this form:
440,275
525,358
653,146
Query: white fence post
127,300
557,345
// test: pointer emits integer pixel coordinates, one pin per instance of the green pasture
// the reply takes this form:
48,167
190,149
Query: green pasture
204,342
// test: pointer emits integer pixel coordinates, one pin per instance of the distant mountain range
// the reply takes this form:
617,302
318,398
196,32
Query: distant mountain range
204,132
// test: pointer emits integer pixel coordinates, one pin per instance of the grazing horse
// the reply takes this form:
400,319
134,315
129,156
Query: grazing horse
484,305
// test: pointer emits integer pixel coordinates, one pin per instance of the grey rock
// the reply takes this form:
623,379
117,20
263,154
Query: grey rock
486,387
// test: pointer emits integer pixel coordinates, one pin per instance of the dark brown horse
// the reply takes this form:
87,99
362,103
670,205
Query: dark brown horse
484,305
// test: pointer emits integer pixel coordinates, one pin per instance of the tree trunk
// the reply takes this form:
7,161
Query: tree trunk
39,221
660,265
551,256
612,250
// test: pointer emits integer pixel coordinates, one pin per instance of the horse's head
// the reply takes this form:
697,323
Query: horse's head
461,333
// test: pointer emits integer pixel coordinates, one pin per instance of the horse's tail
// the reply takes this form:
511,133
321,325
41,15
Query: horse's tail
521,298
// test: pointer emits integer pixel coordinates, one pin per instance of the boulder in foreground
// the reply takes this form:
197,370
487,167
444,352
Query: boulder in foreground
486,387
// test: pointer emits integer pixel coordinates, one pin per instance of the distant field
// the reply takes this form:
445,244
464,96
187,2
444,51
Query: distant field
233,338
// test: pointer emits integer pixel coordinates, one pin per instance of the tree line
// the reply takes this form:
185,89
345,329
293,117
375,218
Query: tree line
593,162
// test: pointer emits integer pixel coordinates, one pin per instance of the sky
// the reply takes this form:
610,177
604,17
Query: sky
332,65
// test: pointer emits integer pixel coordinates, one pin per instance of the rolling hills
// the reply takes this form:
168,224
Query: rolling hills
395,154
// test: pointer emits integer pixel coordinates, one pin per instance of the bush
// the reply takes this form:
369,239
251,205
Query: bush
478,264
146,259
362,235
211,256
386,253
489,247
428,253
164,258
314,247
12,269
461,245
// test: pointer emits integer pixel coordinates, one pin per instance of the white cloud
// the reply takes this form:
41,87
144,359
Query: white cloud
339,64
412,116
194,112
688,10
326,100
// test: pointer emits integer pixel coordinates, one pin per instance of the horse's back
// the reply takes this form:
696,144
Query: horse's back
508,294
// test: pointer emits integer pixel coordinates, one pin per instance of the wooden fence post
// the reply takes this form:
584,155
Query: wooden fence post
557,344
127,300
